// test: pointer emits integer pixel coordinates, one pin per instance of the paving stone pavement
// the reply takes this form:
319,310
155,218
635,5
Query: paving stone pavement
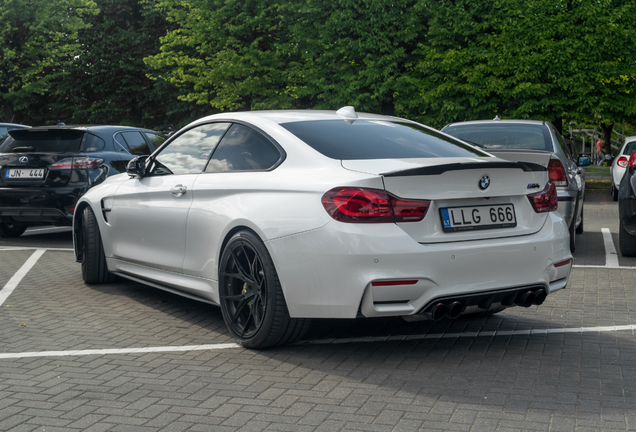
563,381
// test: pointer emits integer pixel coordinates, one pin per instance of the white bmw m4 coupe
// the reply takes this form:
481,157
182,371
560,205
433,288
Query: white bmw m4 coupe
283,216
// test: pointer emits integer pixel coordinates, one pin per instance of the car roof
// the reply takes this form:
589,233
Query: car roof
14,125
515,121
288,116
96,128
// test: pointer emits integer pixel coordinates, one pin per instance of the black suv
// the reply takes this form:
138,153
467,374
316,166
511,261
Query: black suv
44,170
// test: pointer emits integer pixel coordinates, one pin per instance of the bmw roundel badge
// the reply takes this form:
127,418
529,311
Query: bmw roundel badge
484,182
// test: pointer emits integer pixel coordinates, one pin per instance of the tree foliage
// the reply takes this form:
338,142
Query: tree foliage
39,40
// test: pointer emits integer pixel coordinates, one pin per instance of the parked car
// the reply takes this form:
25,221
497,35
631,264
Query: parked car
6,127
538,142
617,169
44,170
283,216
627,209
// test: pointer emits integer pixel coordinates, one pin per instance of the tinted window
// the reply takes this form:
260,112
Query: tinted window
93,143
562,143
44,141
189,152
243,149
3,131
133,142
363,139
500,136
155,140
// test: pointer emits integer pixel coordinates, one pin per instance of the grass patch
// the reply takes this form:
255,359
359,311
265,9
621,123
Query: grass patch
597,184
597,170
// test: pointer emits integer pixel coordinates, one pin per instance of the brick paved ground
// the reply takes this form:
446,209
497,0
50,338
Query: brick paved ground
543,382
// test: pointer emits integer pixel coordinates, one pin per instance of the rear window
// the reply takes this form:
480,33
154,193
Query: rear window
630,148
501,136
366,139
42,141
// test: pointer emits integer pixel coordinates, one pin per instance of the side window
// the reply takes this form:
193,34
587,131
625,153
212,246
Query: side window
562,143
155,140
134,142
189,152
243,149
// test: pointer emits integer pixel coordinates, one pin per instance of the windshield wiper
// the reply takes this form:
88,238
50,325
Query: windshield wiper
473,143
22,149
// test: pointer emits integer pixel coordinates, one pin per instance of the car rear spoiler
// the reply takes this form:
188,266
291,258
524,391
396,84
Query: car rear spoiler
440,169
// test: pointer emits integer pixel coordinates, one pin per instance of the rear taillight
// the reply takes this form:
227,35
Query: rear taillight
78,162
556,173
362,205
632,160
622,162
546,200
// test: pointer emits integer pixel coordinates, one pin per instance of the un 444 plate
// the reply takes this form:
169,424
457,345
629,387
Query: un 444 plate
478,217
25,173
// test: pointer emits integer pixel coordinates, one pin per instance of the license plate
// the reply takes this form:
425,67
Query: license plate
478,217
24,173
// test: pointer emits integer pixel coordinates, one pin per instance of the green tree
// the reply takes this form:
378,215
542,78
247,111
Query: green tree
39,40
231,54
107,82
541,59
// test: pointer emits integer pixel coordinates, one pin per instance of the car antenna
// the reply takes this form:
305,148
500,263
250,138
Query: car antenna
348,112
496,118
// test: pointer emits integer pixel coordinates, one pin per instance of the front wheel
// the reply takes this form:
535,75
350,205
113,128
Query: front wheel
94,268
11,230
626,242
251,297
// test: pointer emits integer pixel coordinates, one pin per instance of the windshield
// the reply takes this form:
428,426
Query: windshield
504,136
42,141
367,139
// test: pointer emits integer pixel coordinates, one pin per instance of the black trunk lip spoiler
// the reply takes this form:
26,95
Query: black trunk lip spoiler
440,169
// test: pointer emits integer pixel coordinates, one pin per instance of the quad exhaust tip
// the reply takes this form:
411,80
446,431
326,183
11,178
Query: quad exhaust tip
453,309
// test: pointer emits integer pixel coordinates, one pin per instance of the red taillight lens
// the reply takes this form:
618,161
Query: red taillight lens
78,162
632,160
546,200
362,205
556,173
622,162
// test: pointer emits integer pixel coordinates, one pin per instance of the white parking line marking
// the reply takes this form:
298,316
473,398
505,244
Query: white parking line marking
6,291
213,347
13,248
611,258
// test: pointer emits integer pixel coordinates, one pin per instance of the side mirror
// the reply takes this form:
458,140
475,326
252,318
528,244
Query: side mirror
136,167
584,160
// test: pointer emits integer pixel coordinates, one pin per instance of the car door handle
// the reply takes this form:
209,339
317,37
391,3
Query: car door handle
178,190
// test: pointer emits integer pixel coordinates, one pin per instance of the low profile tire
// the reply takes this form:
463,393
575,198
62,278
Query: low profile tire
94,268
572,231
614,193
11,230
251,297
626,242
579,229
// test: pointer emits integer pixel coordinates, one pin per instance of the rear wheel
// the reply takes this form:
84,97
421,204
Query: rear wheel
252,300
572,231
626,242
11,230
579,229
614,193
94,268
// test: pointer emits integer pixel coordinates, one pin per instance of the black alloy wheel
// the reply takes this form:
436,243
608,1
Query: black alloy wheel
89,240
252,300
11,230
572,229
614,193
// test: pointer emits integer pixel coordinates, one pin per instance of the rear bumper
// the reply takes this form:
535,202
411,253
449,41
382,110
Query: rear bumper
34,206
333,276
